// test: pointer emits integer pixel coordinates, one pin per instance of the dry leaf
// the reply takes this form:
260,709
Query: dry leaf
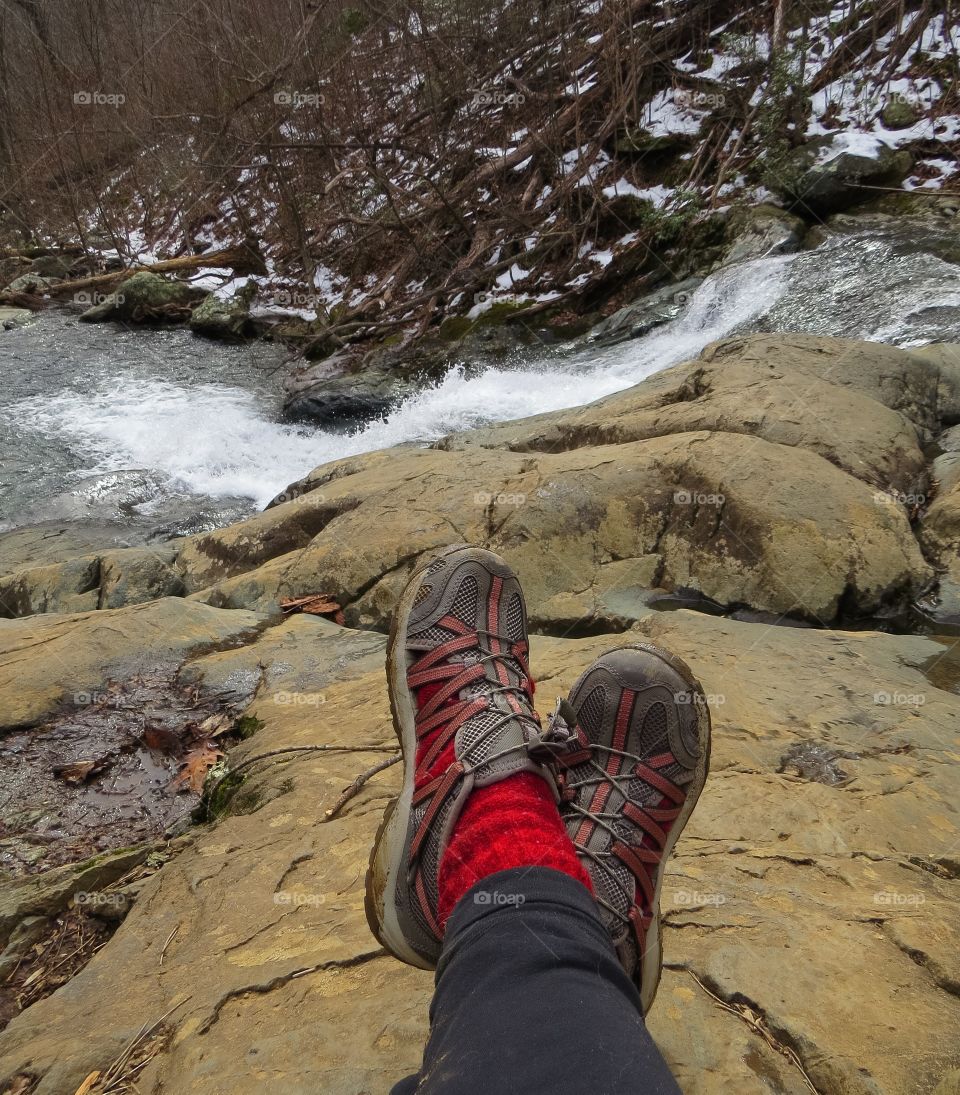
20,1085
321,607
214,725
196,764
317,604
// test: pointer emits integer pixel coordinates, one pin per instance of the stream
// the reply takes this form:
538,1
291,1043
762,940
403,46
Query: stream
157,433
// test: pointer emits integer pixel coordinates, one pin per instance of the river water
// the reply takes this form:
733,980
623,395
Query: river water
167,433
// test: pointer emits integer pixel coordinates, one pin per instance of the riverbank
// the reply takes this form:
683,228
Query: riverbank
344,380
532,160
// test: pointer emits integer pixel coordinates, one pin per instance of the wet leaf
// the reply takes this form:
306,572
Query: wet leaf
196,764
161,739
78,772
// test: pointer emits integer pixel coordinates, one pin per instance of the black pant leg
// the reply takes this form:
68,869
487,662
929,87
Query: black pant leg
406,1086
530,997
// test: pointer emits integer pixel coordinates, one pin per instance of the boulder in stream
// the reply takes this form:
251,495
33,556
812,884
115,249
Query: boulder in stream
347,389
761,230
14,317
225,317
641,316
143,297
30,284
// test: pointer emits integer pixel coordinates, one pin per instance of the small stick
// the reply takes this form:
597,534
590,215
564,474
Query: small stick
758,1024
296,749
116,1070
168,942
354,788
87,1085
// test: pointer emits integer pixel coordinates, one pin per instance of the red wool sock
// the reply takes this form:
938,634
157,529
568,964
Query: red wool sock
513,823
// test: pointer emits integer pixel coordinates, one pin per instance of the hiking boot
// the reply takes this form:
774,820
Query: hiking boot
457,673
644,734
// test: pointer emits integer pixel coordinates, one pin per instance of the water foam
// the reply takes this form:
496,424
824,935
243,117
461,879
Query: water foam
216,440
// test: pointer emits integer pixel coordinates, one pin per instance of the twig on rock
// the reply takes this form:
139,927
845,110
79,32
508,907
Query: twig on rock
354,788
757,1022
294,749
168,942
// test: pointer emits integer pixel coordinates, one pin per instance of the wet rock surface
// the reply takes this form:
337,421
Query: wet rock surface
645,314
45,660
770,474
108,772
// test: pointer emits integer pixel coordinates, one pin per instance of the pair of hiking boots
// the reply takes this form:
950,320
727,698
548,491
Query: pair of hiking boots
626,756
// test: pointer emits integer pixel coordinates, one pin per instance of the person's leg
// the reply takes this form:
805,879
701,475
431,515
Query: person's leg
538,994
531,997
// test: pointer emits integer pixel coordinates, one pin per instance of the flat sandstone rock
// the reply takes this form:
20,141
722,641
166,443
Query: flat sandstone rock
817,883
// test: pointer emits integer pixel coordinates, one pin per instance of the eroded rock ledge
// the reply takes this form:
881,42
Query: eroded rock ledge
805,903
774,473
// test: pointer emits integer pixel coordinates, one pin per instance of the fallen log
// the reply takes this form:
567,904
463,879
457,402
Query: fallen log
31,301
241,259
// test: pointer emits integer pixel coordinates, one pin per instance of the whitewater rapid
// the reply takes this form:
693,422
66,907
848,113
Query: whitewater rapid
203,420
219,440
